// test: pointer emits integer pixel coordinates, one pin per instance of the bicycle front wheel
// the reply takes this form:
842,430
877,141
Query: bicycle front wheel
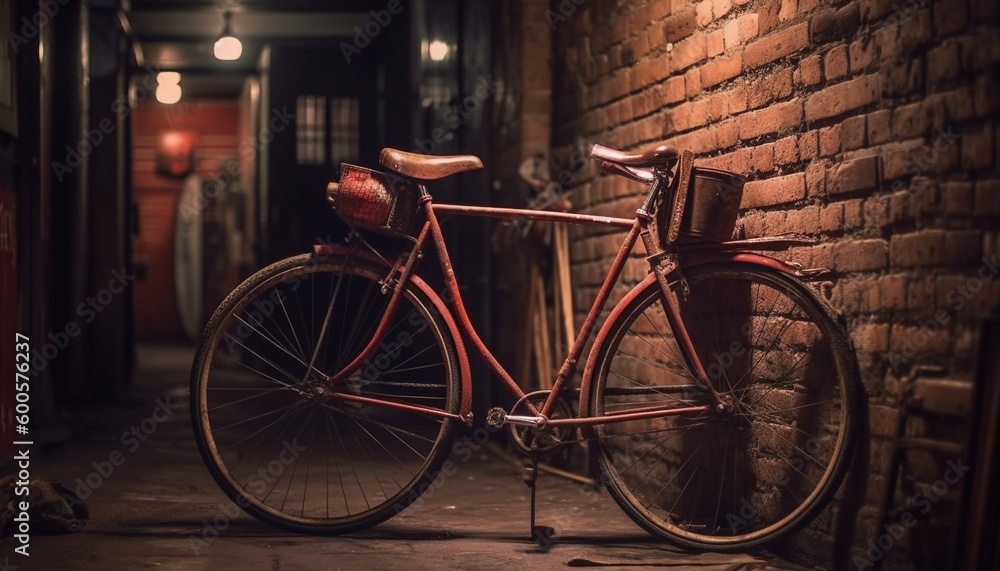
270,434
738,476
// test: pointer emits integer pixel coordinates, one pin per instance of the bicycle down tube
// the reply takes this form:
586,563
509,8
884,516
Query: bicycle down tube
636,227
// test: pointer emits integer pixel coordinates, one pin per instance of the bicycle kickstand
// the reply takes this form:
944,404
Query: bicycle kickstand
541,535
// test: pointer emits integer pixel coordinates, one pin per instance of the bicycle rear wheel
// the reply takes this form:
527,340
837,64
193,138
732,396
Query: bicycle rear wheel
732,479
274,442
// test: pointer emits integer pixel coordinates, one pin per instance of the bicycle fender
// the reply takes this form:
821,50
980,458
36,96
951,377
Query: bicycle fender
465,376
790,268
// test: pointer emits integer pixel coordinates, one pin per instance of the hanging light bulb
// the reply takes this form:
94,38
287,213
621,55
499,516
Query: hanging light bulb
168,93
438,50
227,47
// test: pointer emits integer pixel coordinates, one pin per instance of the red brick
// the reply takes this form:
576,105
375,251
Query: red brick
875,9
923,196
777,190
957,104
903,78
835,63
692,83
879,126
787,11
736,161
857,174
909,121
899,207
809,71
842,97
975,53
762,158
737,99
720,8
943,64
852,133
716,43
689,52
772,119
816,178
876,212
949,17
956,198
977,148
829,25
674,89
775,223
721,69
829,141
806,6
987,199
872,338
831,218
727,134
689,115
804,220
924,340
896,158
915,31
775,86
962,246
650,70
704,12
919,292
698,142
678,26
740,30
852,214
809,145
922,248
862,55
860,255
776,45
893,291
786,151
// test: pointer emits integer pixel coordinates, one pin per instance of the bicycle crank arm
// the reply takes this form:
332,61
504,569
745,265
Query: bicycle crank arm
497,417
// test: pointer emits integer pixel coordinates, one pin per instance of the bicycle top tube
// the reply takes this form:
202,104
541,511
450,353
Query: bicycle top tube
528,214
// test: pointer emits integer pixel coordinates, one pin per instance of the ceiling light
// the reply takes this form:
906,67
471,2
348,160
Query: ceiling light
438,50
168,93
168,77
227,47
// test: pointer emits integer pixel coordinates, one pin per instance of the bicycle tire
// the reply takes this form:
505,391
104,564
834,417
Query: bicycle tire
741,478
272,443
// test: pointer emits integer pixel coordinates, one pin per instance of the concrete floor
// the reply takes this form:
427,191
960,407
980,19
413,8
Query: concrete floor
159,509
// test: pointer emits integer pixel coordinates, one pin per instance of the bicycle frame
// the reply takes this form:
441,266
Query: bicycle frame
662,267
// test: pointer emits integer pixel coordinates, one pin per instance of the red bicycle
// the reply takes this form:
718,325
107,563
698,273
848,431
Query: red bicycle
721,393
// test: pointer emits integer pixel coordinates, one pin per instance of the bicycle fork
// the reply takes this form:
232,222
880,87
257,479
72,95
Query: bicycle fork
665,265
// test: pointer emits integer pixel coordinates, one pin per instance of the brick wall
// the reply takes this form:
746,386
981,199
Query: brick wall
869,124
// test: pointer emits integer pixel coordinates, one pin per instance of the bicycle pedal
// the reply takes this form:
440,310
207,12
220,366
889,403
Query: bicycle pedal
496,417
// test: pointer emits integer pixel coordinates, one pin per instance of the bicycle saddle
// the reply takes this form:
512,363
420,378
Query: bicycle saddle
658,156
427,167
